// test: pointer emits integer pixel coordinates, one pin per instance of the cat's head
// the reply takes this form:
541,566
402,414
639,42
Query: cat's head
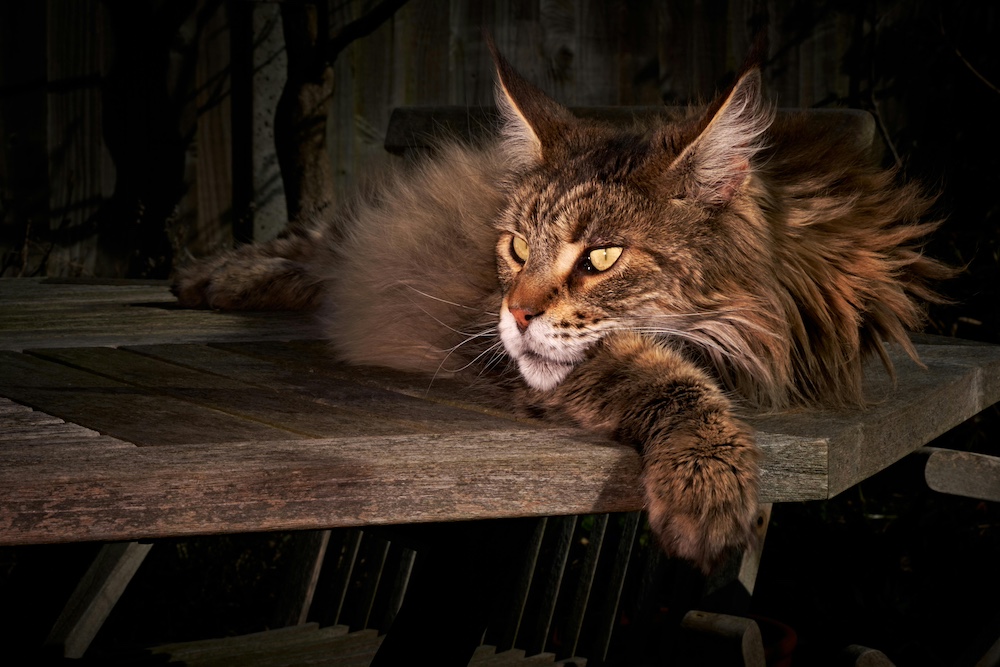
620,228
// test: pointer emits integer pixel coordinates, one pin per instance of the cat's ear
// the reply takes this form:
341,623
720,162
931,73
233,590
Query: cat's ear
534,125
714,165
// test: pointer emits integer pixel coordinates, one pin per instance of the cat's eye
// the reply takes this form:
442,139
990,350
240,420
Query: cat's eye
602,259
519,247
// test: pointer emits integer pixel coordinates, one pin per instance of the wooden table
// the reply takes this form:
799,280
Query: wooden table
123,418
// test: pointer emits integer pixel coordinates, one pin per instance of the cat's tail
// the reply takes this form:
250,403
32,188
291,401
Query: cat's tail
273,275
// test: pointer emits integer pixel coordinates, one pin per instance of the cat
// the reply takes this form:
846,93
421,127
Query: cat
646,282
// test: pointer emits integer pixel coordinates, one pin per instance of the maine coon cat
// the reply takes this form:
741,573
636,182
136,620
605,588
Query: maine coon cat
644,281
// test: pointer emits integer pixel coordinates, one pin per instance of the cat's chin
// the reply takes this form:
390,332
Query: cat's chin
541,373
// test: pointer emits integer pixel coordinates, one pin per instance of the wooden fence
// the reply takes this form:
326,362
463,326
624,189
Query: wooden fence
140,133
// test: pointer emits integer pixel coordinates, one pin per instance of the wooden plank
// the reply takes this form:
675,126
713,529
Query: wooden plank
607,614
313,357
353,412
396,591
302,645
966,474
287,485
720,639
308,549
311,373
181,651
44,314
335,575
81,175
372,555
138,415
959,381
573,625
213,141
534,634
95,596
20,426
506,624
44,293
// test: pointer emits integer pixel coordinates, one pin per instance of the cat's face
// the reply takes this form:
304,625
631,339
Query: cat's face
578,258
611,229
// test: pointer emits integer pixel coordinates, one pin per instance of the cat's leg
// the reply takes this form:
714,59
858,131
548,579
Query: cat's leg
273,275
699,463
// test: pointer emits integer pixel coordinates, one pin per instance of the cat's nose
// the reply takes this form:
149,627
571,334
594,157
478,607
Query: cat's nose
523,316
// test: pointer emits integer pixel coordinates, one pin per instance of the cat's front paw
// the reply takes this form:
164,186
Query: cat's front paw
701,497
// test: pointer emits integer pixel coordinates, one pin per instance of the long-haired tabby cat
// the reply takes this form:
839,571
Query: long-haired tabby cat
643,280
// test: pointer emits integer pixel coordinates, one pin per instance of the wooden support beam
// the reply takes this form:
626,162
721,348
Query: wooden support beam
95,596
962,473
861,656
720,639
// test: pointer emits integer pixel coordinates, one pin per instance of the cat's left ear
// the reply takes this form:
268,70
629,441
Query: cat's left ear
715,164
534,125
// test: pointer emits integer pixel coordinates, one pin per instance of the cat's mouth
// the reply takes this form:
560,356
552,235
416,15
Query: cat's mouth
544,368
541,372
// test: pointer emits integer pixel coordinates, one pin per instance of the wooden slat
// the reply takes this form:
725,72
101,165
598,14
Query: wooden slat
506,625
958,382
20,426
335,575
604,616
293,412
130,413
163,394
288,485
966,474
310,372
573,626
309,357
42,314
373,553
95,596
80,169
307,551
534,632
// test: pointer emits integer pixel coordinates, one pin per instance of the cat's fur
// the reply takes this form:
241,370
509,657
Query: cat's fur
757,260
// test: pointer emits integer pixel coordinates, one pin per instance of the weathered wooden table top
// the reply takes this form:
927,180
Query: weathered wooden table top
123,417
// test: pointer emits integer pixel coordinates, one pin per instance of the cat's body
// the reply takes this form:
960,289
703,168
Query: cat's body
638,278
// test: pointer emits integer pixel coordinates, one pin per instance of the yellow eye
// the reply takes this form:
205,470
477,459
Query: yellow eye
603,259
520,249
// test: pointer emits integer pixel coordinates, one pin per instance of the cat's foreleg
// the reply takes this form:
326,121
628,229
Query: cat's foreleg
699,463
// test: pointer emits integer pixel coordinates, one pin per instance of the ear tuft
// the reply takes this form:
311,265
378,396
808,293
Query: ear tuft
720,159
534,125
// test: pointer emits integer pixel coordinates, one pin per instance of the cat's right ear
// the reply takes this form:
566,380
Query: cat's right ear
534,125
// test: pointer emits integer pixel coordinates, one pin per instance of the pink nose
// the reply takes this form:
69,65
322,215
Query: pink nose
523,316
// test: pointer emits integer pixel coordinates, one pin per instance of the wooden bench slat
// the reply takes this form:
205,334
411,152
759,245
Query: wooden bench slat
314,375
481,464
294,412
273,485
134,414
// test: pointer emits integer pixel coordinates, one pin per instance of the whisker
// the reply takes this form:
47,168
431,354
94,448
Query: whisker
446,301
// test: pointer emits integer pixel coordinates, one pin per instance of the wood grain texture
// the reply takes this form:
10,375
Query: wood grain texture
288,485
42,314
418,128
966,474
260,430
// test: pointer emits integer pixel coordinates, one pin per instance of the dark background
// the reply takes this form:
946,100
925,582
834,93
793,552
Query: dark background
136,134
